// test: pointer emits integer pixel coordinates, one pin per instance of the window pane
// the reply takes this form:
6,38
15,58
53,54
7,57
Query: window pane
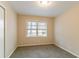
42,32
34,27
33,33
44,35
34,23
41,24
31,27
28,27
42,27
28,32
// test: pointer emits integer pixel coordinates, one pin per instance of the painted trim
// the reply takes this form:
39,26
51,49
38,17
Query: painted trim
4,28
11,53
67,50
34,44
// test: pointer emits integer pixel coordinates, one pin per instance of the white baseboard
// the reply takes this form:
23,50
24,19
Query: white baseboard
45,44
34,44
67,50
11,53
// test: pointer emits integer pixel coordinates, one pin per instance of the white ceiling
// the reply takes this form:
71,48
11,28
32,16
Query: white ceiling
32,8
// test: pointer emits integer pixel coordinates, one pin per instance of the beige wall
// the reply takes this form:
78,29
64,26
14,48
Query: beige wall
10,29
25,41
67,30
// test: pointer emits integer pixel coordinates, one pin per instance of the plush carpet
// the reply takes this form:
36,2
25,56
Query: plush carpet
42,51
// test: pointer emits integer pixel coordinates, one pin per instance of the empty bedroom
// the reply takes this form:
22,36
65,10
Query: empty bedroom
39,29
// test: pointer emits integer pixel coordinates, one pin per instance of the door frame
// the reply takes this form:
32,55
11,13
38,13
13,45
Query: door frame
4,28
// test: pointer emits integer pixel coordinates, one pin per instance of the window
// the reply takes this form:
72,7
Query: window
42,29
36,29
32,29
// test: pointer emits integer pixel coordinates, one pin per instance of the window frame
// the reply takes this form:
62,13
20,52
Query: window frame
36,29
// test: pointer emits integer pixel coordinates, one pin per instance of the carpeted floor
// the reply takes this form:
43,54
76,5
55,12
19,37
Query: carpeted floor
45,51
